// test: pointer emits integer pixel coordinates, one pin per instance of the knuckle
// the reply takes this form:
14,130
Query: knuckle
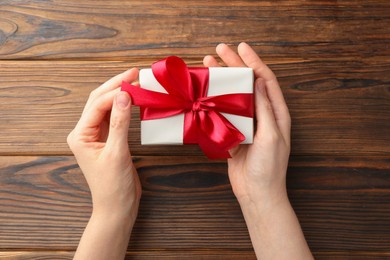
273,138
69,139
287,115
139,194
272,80
288,147
288,120
72,141
116,122
268,106
93,93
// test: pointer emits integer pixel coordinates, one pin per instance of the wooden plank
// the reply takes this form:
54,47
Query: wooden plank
187,204
137,255
351,255
118,30
336,107
332,60
26,255
204,255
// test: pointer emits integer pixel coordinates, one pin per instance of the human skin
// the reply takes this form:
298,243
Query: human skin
99,143
257,172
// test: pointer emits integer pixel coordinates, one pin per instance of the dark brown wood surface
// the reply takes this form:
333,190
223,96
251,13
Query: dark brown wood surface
332,59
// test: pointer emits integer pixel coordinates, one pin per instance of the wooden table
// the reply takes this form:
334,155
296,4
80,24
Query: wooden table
332,59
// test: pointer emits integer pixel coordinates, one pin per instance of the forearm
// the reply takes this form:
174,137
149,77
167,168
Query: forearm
275,230
105,237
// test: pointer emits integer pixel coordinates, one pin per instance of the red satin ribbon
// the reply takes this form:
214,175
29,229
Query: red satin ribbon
187,93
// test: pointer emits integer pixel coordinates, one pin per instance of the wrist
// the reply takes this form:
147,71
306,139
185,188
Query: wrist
121,219
263,201
273,222
259,214
116,208
121,212
262,193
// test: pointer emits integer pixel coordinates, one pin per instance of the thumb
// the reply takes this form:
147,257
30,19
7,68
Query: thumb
119,123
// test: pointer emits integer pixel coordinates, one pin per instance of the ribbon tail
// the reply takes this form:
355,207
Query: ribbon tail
213,132
213,153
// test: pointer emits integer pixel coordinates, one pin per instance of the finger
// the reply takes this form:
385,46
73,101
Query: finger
128,76
113,83
93,115
119,124
274,92
265,117
228,56
252,60
210,61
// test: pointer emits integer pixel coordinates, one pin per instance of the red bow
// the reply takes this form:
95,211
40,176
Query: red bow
187,93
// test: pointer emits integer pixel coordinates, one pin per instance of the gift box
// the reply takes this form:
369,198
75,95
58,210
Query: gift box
212,107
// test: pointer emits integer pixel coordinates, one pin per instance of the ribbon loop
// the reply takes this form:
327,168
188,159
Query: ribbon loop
187,93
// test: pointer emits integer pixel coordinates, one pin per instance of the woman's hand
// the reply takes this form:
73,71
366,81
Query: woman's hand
100,144
257,172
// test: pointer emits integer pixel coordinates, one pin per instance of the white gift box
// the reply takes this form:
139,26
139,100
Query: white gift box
222,80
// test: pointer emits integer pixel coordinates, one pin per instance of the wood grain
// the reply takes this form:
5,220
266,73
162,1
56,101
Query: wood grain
137,255
121,29
336,107
331,59
187,204
176,255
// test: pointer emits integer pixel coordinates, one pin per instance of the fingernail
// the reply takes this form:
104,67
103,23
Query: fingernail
122,99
